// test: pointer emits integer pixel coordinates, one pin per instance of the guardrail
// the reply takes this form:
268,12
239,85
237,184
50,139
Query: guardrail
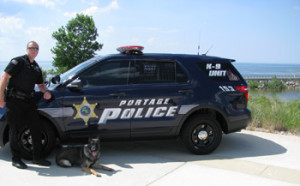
280,77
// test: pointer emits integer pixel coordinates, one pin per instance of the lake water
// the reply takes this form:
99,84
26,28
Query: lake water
268,70
286,95
247,70
45,65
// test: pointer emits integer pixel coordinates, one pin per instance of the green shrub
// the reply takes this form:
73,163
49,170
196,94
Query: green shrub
275,84
273,114
253,84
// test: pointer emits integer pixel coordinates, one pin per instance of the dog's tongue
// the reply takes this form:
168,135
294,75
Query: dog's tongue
94,153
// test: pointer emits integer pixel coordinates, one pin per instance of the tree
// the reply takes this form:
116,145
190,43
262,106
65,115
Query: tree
75,43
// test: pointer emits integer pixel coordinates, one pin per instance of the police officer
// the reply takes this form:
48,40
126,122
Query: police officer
19,79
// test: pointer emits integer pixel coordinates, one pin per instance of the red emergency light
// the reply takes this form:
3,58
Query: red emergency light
130,49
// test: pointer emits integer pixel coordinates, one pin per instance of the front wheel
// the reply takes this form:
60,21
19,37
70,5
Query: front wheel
202,134
48,140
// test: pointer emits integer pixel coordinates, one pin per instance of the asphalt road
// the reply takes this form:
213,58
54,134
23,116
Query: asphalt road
244,158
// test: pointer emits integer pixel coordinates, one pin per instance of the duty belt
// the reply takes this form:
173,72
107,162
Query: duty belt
13,93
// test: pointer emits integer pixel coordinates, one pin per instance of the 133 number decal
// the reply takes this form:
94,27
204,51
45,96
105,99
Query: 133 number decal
227,88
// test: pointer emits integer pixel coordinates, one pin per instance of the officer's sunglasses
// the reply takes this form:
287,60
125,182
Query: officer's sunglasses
33,48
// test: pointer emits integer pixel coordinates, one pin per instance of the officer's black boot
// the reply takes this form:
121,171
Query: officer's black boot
42,162
17,162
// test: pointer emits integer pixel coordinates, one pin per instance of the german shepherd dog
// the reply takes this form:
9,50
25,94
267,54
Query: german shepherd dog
86,156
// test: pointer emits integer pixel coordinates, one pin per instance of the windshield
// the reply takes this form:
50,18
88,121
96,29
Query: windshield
73,71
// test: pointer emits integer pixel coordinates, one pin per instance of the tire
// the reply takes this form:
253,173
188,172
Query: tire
202,134
48,140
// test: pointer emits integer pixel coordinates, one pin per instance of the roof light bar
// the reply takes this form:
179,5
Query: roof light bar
130,49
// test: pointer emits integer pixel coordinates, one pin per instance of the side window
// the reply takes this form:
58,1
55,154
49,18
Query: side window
106,74
221,72
181,76
156,72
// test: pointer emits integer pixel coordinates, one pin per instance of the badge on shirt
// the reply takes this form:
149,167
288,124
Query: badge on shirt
15,62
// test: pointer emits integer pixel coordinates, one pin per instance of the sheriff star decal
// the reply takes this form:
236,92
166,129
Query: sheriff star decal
85,111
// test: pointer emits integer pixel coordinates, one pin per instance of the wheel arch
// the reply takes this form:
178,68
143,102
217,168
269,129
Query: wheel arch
54,124
214,112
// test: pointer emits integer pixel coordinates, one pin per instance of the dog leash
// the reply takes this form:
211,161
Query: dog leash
68,146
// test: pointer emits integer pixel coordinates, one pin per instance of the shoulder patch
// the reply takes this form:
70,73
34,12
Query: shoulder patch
13,61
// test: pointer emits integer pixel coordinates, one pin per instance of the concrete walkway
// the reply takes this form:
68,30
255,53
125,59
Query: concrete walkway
245,158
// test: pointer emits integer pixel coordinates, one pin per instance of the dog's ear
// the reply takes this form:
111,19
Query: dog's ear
97,137
94,138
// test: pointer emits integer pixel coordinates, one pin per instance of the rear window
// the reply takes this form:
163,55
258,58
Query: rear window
222,72
156,72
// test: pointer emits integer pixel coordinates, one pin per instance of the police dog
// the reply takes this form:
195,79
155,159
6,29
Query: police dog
86,156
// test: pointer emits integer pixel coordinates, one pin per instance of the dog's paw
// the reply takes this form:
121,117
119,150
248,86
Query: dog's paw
65,163
110,169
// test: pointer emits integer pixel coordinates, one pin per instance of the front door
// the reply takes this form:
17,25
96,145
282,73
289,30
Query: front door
104,85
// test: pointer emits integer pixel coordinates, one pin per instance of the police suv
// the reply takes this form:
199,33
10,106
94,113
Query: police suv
134,95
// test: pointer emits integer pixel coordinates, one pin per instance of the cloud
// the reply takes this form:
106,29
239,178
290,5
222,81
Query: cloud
46,3
112,6
91,11
148,28
90,2
36,30
14,36
155,29
151,40
170,31
10,24
109,29
95,9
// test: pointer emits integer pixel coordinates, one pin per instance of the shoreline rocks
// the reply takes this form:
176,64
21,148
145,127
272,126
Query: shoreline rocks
289,83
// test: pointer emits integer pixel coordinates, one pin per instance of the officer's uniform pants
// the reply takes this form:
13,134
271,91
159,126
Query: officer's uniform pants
19,113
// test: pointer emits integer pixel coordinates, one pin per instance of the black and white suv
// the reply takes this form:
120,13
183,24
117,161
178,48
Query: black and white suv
134,95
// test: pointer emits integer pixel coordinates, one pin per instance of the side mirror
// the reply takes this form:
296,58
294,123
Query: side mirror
75,85
55,79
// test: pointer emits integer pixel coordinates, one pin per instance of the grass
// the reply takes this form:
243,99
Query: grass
274,115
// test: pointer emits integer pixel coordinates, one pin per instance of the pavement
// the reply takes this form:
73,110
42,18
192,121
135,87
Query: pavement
243,158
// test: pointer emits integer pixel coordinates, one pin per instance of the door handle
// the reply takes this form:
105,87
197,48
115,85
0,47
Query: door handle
117,94
186,91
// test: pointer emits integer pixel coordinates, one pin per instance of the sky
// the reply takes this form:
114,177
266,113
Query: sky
254,31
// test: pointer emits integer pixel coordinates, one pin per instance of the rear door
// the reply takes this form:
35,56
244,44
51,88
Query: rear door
158,89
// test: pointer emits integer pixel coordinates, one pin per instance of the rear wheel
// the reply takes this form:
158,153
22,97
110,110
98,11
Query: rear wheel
48,140
202,134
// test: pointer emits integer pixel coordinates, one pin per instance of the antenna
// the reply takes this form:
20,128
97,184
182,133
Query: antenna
208,50
199,43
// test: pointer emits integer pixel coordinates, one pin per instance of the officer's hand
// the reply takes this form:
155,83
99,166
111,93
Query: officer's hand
47,95
2,103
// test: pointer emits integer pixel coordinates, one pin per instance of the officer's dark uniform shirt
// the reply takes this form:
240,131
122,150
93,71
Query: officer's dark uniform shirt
24,75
